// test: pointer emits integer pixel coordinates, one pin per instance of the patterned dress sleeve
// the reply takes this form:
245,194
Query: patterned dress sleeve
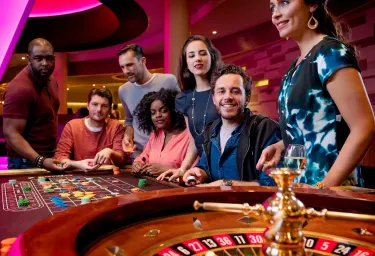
332,56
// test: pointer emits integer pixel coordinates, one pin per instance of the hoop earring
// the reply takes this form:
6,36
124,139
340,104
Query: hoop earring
316,22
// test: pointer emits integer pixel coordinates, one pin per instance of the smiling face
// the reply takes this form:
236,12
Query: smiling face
229,96
290,17
160,115
198,58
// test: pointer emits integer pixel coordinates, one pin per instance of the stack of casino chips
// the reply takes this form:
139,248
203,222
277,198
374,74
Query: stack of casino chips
58,201
41,179
23,202
26,189
142,183
116,171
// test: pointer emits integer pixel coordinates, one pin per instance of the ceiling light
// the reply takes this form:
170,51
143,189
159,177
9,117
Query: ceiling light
103,86
214,32
93,85
67,89
23,58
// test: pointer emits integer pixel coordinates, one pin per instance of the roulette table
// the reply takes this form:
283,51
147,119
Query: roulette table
15,219
164,223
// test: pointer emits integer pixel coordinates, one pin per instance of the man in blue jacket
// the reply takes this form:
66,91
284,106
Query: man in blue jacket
233,143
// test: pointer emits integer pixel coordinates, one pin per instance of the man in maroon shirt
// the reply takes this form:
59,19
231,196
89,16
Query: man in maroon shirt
30,111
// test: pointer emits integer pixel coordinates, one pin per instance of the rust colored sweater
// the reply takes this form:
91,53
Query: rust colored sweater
77,142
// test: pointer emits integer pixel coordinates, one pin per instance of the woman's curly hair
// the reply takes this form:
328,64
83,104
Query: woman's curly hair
143,113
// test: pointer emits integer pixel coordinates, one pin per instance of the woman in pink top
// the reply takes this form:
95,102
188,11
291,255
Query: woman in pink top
169,138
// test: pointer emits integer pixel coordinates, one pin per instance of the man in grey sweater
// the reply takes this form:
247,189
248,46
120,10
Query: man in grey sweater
133,63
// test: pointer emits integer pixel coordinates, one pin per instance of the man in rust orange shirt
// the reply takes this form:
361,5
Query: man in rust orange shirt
89,142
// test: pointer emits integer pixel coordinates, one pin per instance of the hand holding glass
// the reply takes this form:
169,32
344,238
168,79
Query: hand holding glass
295,157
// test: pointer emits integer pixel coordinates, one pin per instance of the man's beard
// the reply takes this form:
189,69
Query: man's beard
233,117
39,75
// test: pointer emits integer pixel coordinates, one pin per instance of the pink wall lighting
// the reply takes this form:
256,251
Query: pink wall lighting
44,8
13,15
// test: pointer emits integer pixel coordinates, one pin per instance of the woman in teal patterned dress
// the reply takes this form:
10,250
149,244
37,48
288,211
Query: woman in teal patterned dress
322,102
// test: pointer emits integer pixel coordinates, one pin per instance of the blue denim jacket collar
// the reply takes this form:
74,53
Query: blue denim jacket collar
238,130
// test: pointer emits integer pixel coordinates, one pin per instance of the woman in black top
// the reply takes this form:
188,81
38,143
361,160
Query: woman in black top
198,61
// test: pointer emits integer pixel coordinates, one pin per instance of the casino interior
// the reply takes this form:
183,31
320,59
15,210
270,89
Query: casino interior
159,217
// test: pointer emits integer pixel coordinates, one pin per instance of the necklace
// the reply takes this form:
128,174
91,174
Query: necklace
204,116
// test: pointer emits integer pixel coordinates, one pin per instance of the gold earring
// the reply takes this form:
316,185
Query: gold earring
316,22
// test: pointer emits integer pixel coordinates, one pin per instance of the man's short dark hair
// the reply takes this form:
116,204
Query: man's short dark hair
138,51
232,69
101,92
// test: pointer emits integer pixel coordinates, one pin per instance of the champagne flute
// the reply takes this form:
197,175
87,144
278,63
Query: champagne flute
295,157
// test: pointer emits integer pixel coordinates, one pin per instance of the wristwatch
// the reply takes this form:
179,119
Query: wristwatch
228,183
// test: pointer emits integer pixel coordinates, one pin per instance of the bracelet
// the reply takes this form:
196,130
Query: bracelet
320,185
39,160
36,160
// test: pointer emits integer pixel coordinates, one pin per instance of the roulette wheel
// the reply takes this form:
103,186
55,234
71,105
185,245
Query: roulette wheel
164,223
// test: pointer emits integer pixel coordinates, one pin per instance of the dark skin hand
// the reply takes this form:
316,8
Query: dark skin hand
13,129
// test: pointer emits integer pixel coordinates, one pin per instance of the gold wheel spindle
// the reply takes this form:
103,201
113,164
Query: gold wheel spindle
278,223
245,208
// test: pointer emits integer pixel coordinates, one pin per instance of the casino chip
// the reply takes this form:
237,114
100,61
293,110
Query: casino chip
135,190
12,181
85,200
41,179
116,171
64,195
26,189
58,201
142,183
23,202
